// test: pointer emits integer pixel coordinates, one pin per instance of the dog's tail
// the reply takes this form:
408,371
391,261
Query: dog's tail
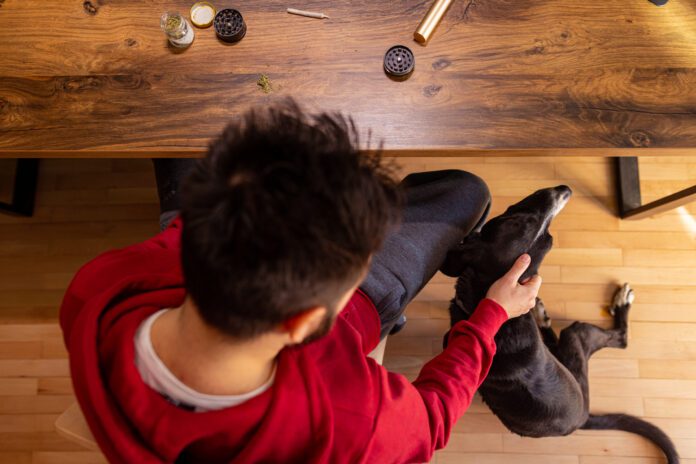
634,425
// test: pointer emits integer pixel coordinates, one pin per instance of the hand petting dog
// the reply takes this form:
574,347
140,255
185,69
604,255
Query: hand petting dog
516,298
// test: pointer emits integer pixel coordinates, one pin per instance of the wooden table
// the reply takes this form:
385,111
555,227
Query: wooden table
500,77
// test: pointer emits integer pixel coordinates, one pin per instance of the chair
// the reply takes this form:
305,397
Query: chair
73,426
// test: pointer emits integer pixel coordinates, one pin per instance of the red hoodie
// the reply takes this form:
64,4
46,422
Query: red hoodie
329,402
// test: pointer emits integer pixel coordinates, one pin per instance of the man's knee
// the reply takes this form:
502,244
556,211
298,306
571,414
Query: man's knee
464,195
469,187
471,196
454,181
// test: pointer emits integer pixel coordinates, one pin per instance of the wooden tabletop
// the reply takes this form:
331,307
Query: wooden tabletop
96,78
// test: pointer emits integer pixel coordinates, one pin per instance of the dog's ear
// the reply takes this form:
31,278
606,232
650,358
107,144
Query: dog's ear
469,251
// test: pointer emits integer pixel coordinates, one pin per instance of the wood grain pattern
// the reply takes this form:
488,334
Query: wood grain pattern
516,78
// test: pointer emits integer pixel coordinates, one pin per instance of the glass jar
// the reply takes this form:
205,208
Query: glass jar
177,29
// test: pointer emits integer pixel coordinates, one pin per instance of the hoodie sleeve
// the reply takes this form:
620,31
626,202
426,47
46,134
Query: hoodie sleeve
416,419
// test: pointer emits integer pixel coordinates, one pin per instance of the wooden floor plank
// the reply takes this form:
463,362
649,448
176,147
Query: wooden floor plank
670,407
608,445
35,440
20,349
646,388
585,257
33,404
54,386
28,332
16,457
654,258
34,368
27,423
623,239
497,458
652,349
679,331
74,457
643,312
667,369
674,276
15,386
615,402
621,460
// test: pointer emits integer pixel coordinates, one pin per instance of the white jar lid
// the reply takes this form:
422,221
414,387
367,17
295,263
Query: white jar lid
202,14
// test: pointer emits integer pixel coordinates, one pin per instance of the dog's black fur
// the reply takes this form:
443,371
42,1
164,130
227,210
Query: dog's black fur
538,384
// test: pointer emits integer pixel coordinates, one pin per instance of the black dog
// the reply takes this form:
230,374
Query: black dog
538,384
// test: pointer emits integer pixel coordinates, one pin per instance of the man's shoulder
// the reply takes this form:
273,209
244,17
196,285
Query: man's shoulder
156,254
145,265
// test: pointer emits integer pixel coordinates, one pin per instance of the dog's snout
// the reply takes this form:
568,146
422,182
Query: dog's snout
564,191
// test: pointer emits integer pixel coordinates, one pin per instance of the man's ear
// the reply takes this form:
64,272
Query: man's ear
303,324
467,252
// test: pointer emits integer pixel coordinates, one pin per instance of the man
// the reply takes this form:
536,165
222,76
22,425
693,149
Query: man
241,332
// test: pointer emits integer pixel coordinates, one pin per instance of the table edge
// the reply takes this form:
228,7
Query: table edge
396,152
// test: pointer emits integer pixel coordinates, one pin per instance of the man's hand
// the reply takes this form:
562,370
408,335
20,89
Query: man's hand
516,299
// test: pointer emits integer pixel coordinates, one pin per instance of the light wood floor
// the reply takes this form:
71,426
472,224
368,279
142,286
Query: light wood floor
87,206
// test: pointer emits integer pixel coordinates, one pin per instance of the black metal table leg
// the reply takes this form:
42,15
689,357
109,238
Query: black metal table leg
24,191
628,193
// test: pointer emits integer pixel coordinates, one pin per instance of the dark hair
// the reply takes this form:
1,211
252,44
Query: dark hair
281,215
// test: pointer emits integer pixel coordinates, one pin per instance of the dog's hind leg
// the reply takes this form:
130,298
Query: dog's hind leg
623,298
544,323
616,337
579,341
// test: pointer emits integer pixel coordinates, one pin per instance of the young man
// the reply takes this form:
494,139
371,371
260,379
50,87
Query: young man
241,332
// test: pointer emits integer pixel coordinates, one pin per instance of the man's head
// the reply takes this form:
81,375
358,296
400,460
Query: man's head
280,220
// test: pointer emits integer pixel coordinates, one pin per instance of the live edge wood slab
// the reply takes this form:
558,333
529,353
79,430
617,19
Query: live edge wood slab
604,77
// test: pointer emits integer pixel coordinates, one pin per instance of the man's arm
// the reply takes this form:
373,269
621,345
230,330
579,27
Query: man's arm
415,420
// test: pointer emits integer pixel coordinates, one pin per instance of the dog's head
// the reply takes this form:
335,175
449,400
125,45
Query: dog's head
522,228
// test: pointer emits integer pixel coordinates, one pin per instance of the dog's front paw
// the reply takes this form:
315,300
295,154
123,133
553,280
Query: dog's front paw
540,315
623,297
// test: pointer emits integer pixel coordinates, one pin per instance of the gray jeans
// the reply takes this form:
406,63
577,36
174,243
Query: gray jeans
442,207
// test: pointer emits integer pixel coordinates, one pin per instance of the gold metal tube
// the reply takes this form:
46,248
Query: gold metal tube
431,20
